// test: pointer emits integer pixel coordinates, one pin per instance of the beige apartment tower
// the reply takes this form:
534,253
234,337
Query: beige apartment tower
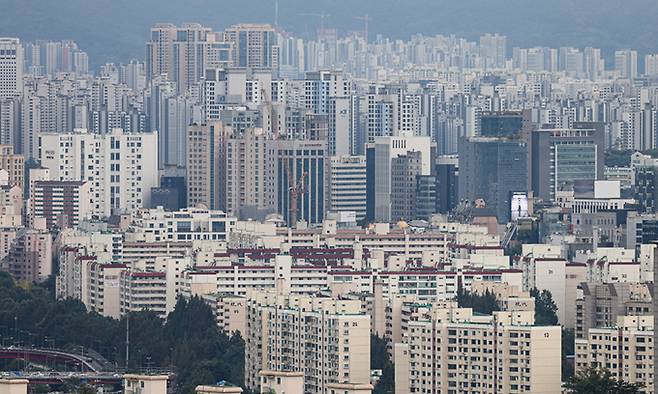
205,152
326,339
451,351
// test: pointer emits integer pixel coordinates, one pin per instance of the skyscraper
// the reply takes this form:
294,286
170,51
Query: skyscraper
205,166
405,169
11,67
347,185
626,63
255,45
379,162
249,175
561,156
301,179
493,50
490,169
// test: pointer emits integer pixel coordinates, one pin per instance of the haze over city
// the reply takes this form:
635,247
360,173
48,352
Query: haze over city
328,197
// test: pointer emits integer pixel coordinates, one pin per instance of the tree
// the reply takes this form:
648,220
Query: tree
599,381
545,308
568,347
485,303
379,360
190,340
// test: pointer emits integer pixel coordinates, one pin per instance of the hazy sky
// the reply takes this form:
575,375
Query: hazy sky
112,30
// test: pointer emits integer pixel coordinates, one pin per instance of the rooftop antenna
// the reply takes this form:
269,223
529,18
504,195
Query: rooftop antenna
365,20
276,14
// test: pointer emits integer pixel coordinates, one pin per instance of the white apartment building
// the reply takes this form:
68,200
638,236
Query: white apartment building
101,288
559,277
145,290
186,225
121,168
451,350
625,350
328,340
411,245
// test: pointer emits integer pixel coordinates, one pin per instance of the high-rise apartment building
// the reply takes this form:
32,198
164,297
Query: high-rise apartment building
11,67
145,290
493,50
626,63
64,204
189,52
159,51
10,121
205,167
594,64
249,175
626,349
255,45
30,256
651,65
452,350
121,167
328,340
182,53
602,304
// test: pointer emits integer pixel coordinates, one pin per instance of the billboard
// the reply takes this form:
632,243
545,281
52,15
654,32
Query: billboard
518,205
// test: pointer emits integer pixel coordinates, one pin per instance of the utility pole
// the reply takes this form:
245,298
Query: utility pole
127,339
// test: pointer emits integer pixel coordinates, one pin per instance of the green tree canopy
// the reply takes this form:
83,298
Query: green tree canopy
190,340
599,381
379,359
480,303
545,308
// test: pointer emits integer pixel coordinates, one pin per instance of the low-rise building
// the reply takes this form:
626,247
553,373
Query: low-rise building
13,386
145,384
281,382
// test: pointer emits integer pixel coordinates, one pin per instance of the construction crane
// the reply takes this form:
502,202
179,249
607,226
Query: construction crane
365,20
296,190
321,16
